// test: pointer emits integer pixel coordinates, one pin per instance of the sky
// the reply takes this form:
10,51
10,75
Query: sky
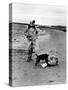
42,14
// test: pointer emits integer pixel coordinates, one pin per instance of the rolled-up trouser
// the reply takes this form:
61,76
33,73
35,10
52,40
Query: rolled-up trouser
33,47
31,50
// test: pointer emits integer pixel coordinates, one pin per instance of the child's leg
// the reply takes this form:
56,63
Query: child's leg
37,61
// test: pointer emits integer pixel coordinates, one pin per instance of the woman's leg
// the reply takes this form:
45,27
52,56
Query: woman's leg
30,51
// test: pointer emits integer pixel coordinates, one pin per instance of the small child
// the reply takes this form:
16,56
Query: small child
53,58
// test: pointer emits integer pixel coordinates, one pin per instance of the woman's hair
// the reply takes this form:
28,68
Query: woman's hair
33,21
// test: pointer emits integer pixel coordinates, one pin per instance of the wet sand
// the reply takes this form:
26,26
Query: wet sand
25,73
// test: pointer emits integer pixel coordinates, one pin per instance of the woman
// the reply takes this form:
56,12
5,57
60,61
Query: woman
31,34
